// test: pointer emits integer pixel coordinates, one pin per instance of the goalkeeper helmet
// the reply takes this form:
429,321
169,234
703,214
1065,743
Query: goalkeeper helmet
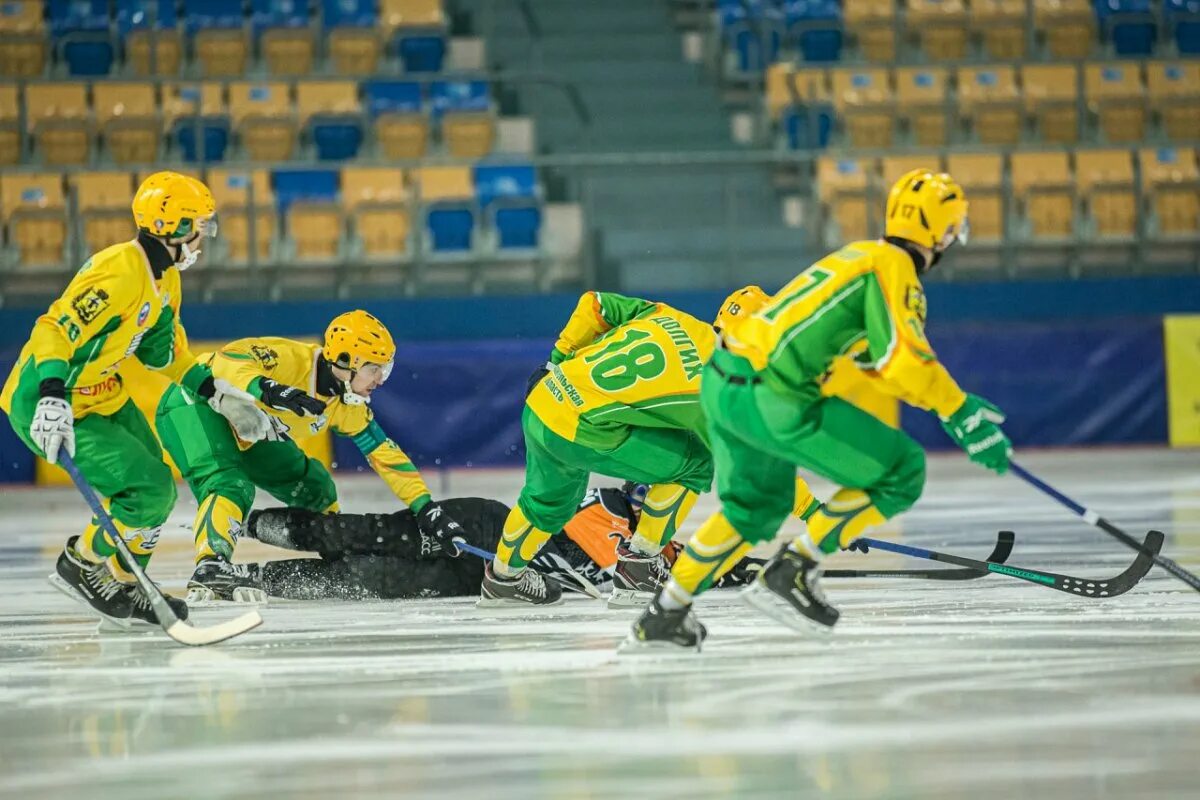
177,209
928,209
742,303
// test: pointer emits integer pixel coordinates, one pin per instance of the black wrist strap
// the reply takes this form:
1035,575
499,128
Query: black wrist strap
53,387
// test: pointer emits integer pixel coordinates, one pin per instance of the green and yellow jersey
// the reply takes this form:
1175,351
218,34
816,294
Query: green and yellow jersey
244,362
624,362
864,299
112,309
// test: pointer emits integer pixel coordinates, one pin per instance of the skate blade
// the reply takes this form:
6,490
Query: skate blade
628,598
633,646
106,622
203,597
503,604
762,599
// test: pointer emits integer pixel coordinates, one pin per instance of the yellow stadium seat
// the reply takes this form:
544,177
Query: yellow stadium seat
1052,99
288,51
179,101
892,167
1174,91
384,232
10,132
106,228
842,186
940,26
1170,179
1068,26
103,202
403,136
989,100
444,183
326,97
154,52
231,188
1106,183
981,176
786,86
1043,186
23,49
354,51
871,23
316,230
34,213
410,14
21,17
262,115
127,115
922,96
864,100
58,118
468,135
1001,23
372,186
221,53
1115,95
235,233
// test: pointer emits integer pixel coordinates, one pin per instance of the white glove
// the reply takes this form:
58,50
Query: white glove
53,426
249,422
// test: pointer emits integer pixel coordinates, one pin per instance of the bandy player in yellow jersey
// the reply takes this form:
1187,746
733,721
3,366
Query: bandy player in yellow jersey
66,389
766,415
305,389
619,397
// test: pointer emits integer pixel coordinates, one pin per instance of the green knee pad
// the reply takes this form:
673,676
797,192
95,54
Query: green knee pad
902,486
230,484
149,505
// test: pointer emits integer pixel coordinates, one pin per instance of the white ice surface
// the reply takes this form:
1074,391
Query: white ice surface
991,688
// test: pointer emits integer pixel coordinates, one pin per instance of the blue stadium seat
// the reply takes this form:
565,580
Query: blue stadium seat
1183,16
811,23
451,228
348,13
304,185
753,29
88,57
81,26
388,97
337,138
508,195
466,96
266,14
215,14
421,52
66,16
136,15
808,127
1129,24
214,138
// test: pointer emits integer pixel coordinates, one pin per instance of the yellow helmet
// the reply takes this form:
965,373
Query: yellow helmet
927,208
355,339
172,205
742,303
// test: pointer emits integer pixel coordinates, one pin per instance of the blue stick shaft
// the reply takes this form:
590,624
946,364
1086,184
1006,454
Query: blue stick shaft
1038,483
472,549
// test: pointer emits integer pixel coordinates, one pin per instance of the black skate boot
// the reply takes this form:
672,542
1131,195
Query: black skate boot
528,588
93,585
218,579
787,590
636,577
141,610
661,628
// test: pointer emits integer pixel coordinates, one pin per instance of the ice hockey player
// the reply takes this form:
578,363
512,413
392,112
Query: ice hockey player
387,556
66,391
304,388
619,396
766,416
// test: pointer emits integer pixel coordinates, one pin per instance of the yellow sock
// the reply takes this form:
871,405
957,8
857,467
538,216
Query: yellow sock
805,504
665,508
96,545
520,541
712,551
217,528
838,522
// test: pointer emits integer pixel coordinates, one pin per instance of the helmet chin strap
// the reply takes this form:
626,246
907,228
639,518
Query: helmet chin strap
187,256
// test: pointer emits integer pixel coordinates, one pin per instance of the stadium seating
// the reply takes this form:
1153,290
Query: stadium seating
922,94
842,186
33,210
1115,96
1001,26
262,118
126,116
10,120
1174,95
1067,27
401,120
448,197
982,177
1183,20
870,24
864,99
102,200
59,122
508,196
940,28
463,111
1170,182
1043,190
376,201
1105,181
989,103
22,39
1052,101
331,116
244,197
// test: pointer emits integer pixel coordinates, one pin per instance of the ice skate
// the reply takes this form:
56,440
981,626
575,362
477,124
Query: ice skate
92,585
787,590
665,629
636,578
530,588
218,579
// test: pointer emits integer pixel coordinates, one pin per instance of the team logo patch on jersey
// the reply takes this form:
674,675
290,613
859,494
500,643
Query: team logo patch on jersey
914,301
143,313
265,355
90,304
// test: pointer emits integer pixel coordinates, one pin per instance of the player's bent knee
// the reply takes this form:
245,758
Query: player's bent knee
904,484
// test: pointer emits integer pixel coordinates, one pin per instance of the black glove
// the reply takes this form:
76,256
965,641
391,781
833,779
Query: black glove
438,529
536,376
282,397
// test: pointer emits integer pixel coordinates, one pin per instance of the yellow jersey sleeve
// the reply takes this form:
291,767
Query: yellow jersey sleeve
595,314
897,351
385,456
164,348
244,361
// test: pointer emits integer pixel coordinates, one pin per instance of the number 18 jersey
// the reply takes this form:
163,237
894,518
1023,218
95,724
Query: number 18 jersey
624,362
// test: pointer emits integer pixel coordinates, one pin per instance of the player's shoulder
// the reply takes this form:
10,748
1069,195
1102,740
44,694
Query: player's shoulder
885,259
123,260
